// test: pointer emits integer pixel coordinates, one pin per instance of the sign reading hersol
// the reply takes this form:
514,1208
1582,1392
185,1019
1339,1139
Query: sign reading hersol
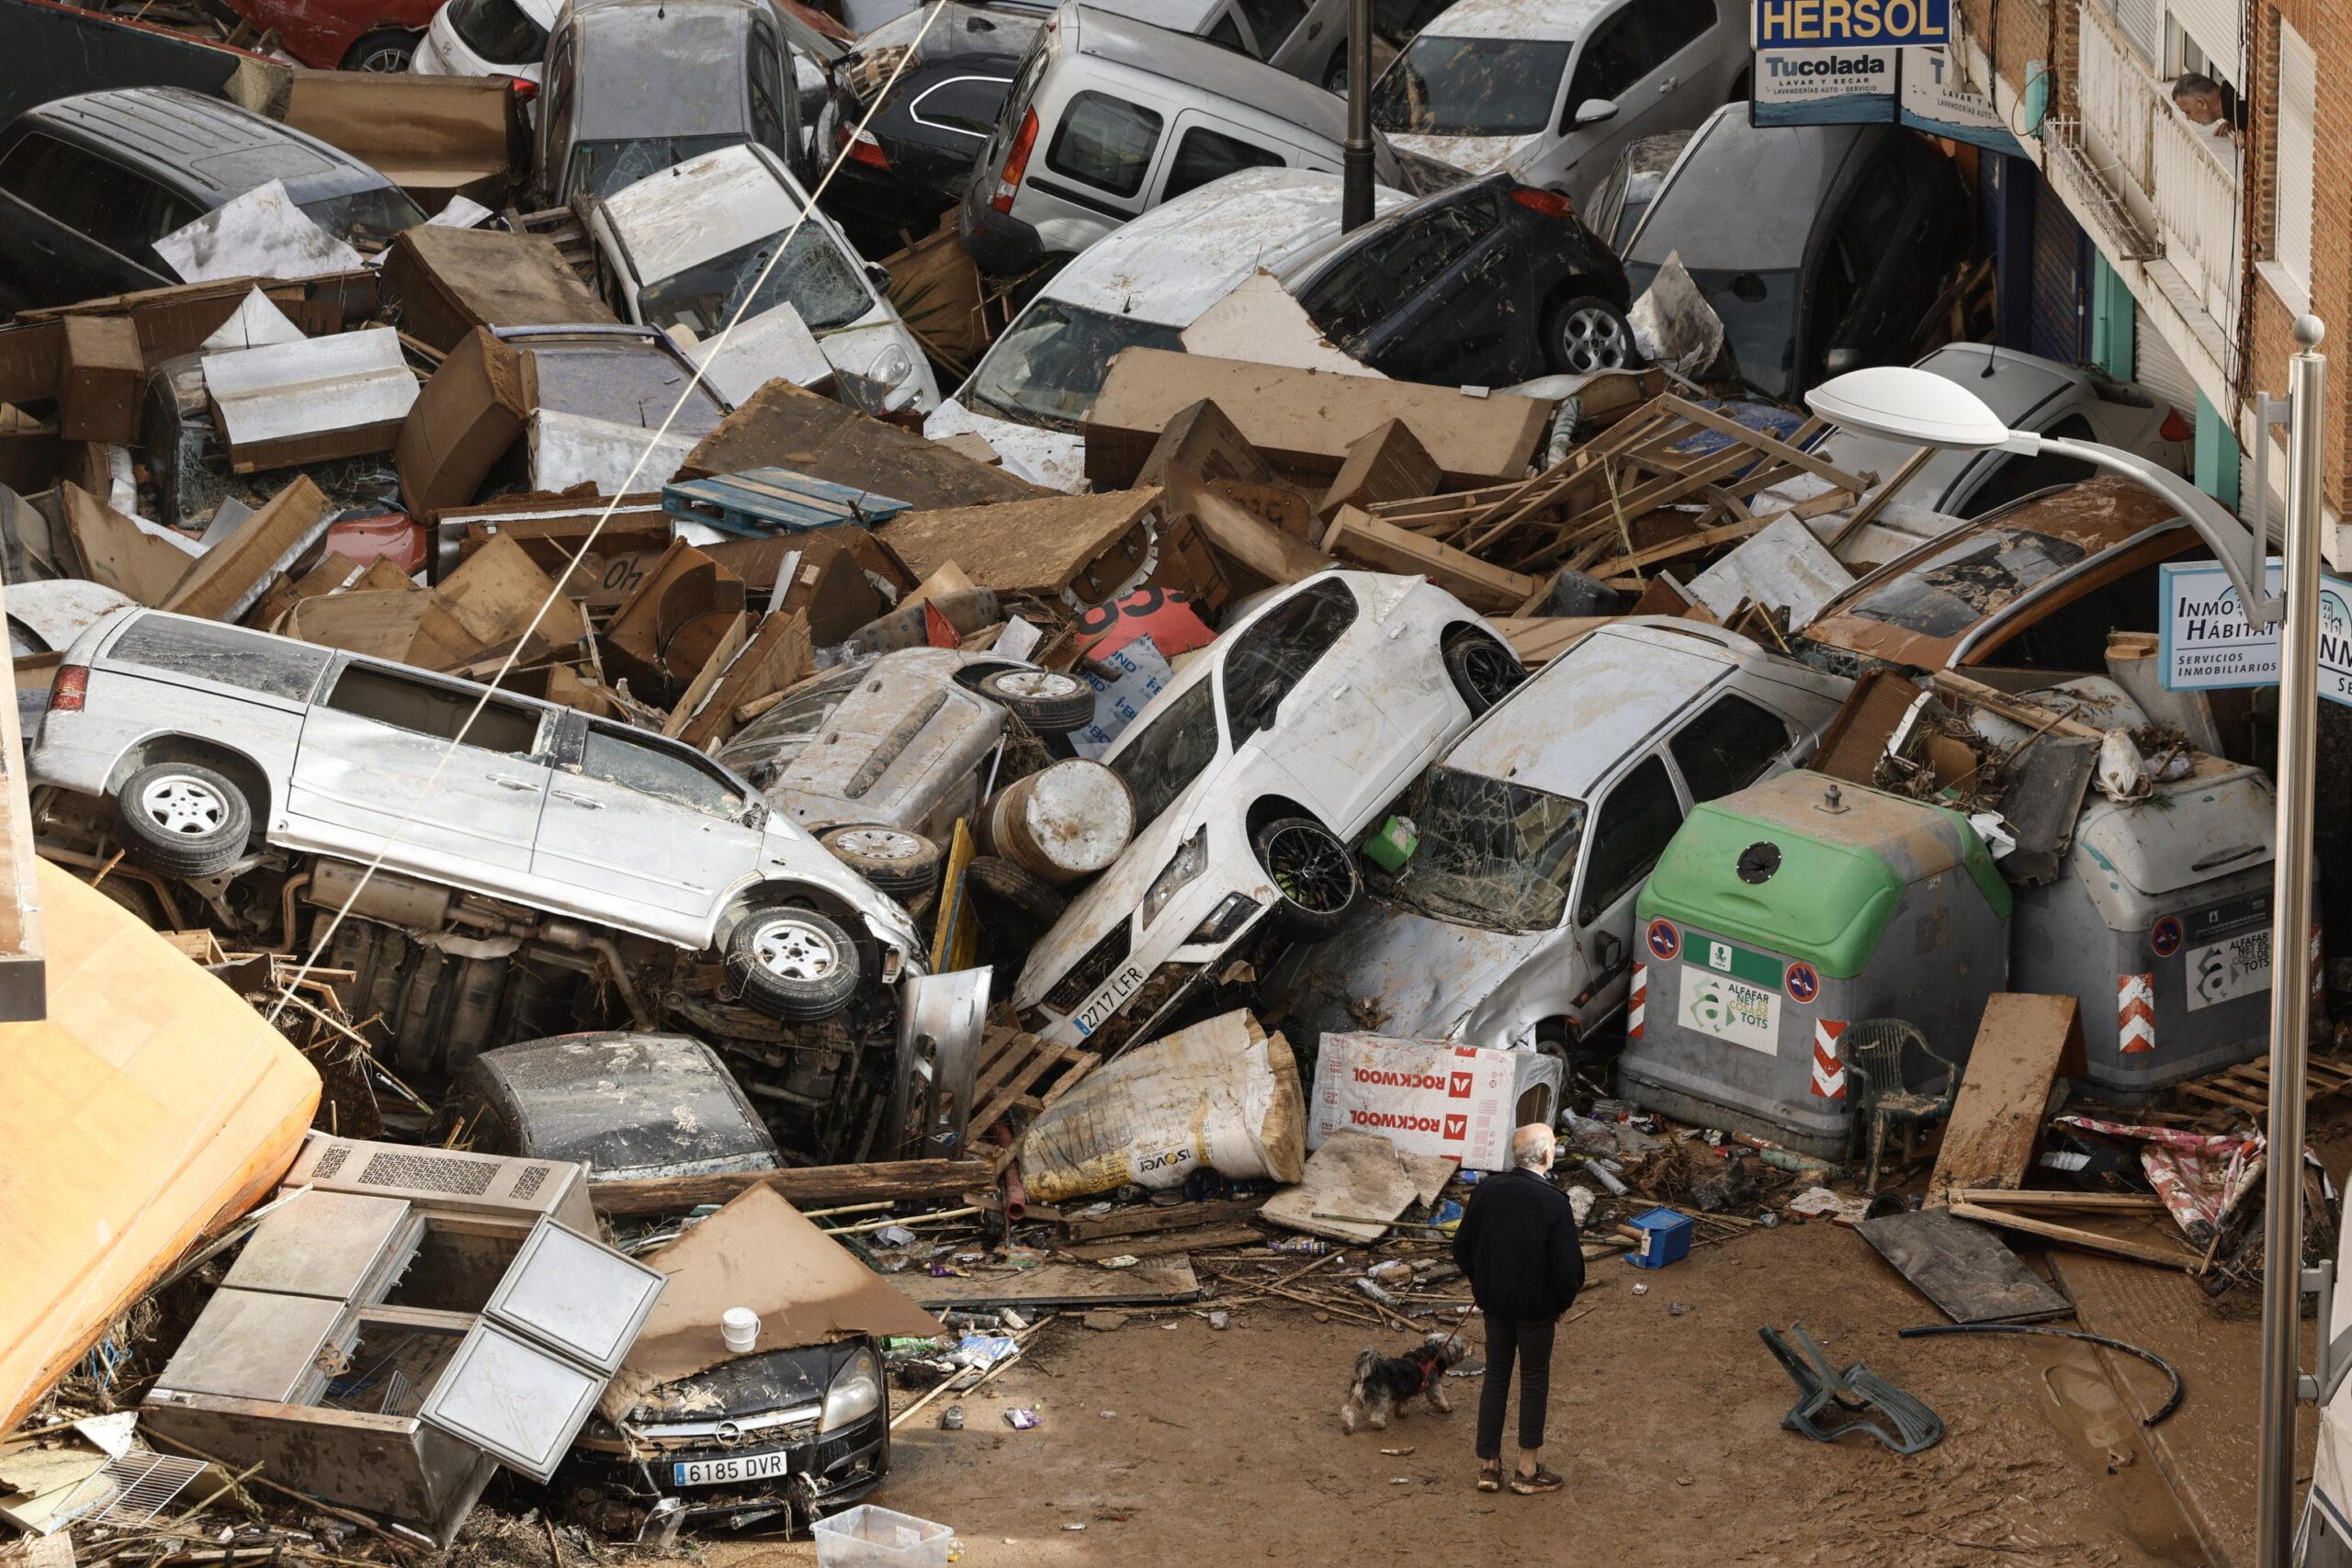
1850,24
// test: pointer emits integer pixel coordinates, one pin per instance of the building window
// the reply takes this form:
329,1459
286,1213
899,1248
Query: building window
2295,146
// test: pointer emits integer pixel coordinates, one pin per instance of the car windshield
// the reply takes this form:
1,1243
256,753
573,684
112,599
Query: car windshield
1470,87
498,31
600,168
814,278
1177,741
1967,582
1759,317
368,217
1492,854
1047,368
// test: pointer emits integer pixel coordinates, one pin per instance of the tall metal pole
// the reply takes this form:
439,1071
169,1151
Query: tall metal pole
2291,961
1355,170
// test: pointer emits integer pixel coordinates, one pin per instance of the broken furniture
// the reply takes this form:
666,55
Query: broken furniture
1781,914
1883,1059
1831,1404
414,1318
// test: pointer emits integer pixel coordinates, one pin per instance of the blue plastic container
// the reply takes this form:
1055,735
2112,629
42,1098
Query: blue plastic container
1666,1238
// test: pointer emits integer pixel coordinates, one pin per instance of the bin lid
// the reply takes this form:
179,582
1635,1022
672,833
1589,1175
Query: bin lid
1784,867
2219,822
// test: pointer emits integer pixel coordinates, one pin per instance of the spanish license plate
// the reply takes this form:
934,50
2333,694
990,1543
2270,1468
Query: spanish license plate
2225,970
1109,997
763,1466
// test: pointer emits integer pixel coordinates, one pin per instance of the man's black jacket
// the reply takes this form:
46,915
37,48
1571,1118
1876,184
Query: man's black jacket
1517,1242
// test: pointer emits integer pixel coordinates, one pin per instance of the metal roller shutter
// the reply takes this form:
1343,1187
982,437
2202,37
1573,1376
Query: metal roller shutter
2057,322
2159,368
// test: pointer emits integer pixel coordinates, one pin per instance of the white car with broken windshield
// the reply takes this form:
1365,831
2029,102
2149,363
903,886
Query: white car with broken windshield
1139,287
1510,924
681,251
1554,90
1254,775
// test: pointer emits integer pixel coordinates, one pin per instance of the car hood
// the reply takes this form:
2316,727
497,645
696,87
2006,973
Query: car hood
748,1385
1472,155
1393,971
1049,458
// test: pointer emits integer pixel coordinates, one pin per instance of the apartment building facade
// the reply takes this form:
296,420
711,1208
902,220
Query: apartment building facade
2171,251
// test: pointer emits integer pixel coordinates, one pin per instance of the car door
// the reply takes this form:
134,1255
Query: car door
1892,235
1283,31
1458,314
1097,164
644,828
381,768
1296,703
1636,817
1731,743
776,112
1640,58
1205,148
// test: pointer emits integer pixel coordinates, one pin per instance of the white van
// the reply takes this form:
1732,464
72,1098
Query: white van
1109,117
1139,288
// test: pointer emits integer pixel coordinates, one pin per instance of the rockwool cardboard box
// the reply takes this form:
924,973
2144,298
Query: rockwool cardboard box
1427,1097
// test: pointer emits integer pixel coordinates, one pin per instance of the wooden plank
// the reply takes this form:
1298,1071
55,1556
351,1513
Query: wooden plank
2023,1043
904,1181
1769,445
1357,536
1161,1281
1869,509
2001,1196
993,1109
1150,1219
1613,572
1205,1239
1962,1268
2067,1235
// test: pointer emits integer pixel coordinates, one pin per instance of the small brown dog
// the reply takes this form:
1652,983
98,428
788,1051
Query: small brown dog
1385,1384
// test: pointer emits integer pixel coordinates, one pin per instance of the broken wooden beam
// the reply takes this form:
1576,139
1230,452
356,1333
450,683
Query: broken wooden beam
23,986
901,1181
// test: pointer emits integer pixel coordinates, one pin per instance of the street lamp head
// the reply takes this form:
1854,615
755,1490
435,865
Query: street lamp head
1903,403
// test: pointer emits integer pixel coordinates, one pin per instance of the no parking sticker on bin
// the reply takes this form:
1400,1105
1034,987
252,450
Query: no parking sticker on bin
1803,981
2164,940
1664,939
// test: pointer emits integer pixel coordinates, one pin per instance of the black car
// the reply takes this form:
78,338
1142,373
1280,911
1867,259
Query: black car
89,184
630,1105
1823,247
914,157
1487,284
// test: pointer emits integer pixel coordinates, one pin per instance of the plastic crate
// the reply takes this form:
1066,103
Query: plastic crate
1667,1238
868,1536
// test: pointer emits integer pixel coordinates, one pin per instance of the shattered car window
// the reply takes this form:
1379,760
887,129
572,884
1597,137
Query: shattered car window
600,168
1969,582
634,763
1047,368
1175,743
1274,655
1470,87
1492,854
813,277
771,742
365,217
1727,748
273,666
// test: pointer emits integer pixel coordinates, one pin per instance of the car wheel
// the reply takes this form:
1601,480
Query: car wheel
184,821
1047,700
1482,670
387,52
903,864
1313,873
795,964
1023,888
1588,333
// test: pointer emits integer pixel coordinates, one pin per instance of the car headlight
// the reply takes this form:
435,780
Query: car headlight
855,1394
1224,920
1192,859
893,367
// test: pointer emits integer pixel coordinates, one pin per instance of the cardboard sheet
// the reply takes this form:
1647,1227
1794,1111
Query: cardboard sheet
784,426
570,449
432,136
447,281
760,1252
1363,1176
468,414
254,323
775,343
260,235
234,573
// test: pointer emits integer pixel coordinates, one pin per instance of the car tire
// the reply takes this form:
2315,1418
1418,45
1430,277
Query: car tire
1585,332
904,865
1047,700
183,820
1023,888
1316,880
386,51
1483,670
795,964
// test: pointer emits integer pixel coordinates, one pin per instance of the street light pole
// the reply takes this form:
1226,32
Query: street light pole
1355,168
2291,961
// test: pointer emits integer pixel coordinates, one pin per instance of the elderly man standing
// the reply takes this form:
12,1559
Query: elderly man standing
1518,1245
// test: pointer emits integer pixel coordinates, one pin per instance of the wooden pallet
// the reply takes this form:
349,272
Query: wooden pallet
2246,1086
1018,1071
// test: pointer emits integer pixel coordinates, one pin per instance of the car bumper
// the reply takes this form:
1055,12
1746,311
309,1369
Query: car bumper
639,1499
999,244
1159,976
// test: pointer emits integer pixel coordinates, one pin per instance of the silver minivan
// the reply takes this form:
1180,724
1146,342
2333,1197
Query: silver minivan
1109,117
1511,924
210,738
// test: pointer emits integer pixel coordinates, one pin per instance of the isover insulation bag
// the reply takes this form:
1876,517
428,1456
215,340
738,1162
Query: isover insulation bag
1221,1094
